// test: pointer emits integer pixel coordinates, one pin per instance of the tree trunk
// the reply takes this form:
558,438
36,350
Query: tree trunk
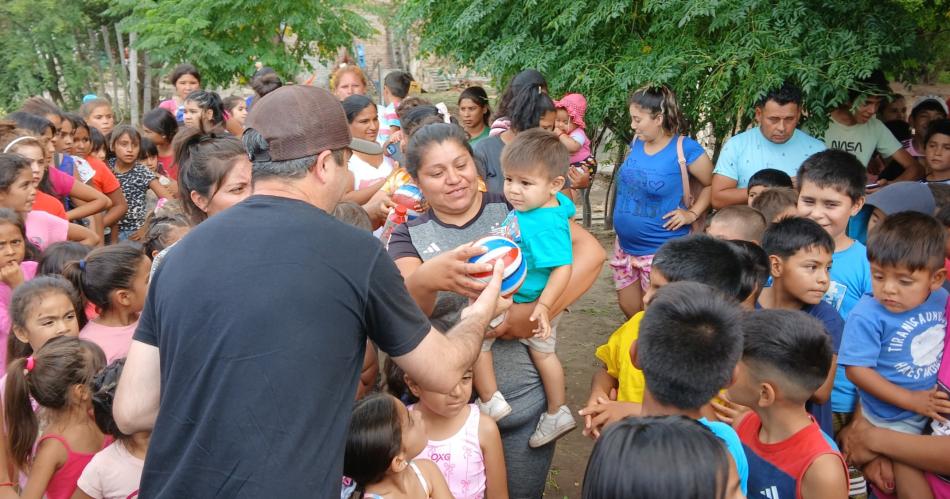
112,64
147,82
133,79
120,43
94,54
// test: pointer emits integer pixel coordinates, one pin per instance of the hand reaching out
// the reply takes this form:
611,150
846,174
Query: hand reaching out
540,315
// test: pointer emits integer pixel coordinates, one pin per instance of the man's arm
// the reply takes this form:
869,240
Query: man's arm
137,396
725,193
457,349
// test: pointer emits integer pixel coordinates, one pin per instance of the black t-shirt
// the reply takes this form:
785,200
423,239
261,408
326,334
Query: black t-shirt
261,316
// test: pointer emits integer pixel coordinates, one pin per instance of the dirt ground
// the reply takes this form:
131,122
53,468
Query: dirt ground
589,324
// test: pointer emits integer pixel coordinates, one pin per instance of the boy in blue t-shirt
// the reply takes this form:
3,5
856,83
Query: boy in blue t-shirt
799,261
894,340
535,166
690,342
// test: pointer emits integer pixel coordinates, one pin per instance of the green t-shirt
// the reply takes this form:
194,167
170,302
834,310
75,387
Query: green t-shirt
474,140
862,139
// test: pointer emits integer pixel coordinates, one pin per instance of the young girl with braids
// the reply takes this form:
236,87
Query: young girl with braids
650,208
57,377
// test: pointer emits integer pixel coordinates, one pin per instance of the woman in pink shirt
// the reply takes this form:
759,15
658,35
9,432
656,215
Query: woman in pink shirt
186,79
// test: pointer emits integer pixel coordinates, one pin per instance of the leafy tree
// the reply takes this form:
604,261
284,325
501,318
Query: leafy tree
45,51
224,38
719,57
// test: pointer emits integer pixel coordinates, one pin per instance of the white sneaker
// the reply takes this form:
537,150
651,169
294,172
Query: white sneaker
496,407
552,427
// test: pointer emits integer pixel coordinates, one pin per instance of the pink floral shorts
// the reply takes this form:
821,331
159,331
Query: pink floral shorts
629,269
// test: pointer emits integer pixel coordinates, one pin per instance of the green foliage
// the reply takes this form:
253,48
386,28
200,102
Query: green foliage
45,50
224,38
719,56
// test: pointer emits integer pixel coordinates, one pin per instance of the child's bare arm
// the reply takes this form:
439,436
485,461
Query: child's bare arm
159,189
557,283
50,456
826,478
496,475
569,143
930,403
440,489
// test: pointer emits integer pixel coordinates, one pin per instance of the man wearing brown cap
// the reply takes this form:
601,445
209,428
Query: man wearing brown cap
246,358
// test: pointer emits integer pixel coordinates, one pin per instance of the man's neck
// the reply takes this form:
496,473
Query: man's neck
653,407
777,296
781,420
284,189
843,116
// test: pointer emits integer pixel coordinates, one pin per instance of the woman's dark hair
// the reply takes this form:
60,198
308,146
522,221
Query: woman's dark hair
208,100
161,122
355,104
121,130
60,364
203,159
657,458
11,166
419,116
527,108
23,300
103,271
98,140
398,83
31,252
527,79
57,255
435,133
374,440
265,81
153,236
104,385
182,70
661,100
32,122
148,149
477,95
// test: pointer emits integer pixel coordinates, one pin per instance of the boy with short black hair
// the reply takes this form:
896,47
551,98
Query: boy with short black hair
785,358
776,204
893,340
535,167
697,258
737,222
799,260
690,342
765,179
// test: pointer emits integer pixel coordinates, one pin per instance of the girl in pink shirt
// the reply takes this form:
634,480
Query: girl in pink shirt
464,443
115,279
114,472
14,271
57,377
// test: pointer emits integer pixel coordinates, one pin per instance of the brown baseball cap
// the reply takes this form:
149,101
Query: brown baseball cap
302,120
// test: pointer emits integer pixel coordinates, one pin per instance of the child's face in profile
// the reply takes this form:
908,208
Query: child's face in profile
563,121
239,112
744,390
899,289
754,192
938,152
827,206
413,428
527,189
877,216
657,281
548,120
804,275
53,315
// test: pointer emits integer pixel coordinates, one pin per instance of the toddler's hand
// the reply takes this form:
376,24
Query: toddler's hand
540,315
603,412
11,274
932,403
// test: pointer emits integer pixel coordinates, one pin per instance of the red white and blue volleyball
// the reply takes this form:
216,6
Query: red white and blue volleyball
410,197
504,249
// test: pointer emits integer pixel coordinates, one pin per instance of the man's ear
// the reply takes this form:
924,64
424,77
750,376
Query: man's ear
321,167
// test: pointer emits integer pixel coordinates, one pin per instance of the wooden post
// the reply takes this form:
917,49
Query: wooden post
115,69
147,91
133,79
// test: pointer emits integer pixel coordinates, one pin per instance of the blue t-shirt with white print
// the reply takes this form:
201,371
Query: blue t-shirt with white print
904,348
850,280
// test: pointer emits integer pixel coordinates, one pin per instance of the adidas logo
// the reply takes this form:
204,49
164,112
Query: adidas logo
431,248
770,493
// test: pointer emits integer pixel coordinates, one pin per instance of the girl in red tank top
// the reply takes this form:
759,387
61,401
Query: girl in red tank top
58,378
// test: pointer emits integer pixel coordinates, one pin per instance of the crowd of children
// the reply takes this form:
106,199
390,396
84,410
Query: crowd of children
749,353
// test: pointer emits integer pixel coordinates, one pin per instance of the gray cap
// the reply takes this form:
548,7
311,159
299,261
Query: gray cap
903,196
